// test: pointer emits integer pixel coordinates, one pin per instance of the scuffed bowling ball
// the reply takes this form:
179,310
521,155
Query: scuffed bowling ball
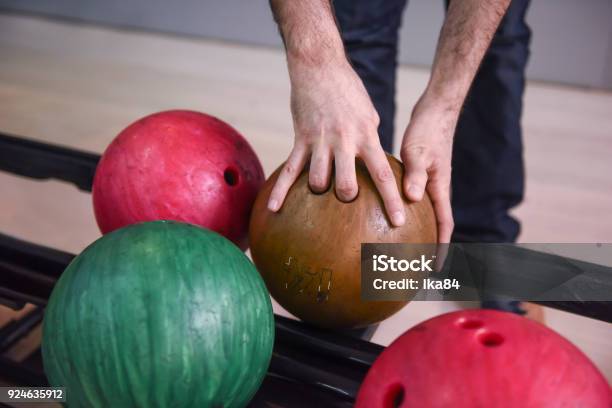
309,252
482,358
178,165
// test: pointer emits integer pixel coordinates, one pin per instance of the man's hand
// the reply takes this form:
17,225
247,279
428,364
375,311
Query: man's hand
427,146
426,152
333,116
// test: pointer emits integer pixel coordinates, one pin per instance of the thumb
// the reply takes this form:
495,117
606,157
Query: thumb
415,176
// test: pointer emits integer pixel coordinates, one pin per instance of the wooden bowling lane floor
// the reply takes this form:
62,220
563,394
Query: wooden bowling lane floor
79,85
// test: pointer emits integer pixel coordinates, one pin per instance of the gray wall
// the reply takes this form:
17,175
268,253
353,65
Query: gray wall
572,39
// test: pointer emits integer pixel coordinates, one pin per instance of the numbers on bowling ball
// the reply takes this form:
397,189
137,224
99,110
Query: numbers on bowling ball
302,280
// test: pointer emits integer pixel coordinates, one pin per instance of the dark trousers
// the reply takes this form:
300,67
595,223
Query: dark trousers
488,174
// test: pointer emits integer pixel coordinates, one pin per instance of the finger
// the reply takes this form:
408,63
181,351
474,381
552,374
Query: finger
291,170
320,169
378,165
415,176
440,197
346,179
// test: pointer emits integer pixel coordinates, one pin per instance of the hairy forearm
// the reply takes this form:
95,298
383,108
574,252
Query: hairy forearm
309,31
464,39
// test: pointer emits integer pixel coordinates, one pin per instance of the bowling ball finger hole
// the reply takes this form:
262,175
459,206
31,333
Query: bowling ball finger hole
490,339
394,396
469,324
231,176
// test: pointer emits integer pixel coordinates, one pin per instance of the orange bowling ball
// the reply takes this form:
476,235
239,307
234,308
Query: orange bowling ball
309,253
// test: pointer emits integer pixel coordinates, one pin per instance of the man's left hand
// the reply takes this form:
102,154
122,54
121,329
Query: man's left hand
426,152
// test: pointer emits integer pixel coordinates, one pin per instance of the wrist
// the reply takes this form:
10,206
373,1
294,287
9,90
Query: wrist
444,92
308,71
438,104
310,55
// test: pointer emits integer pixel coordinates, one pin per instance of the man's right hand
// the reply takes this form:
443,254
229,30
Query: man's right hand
333,116
334,119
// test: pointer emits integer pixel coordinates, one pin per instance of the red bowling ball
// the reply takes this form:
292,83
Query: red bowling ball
178,165
483,358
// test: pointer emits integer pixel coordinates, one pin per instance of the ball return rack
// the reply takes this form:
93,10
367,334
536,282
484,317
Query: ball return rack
309,367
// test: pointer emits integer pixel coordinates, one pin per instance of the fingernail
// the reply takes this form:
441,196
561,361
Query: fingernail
398,218
273,205
415,191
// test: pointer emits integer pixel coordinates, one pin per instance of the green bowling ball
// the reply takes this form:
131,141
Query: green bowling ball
159,314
